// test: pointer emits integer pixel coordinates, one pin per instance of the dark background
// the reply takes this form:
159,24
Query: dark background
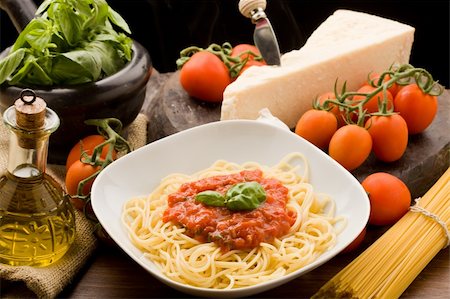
165,27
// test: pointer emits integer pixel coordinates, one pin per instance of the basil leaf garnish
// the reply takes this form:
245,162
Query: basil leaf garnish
245,196
211,198
241,197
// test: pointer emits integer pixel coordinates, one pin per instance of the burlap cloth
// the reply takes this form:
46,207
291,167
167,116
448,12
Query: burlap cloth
48,282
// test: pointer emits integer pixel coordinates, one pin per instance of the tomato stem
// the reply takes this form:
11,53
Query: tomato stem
400,75
234,64
110,129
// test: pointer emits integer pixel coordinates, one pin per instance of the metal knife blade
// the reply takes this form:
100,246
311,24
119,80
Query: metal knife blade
266,41
264,36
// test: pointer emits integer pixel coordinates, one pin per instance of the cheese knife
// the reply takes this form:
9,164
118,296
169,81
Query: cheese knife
264,36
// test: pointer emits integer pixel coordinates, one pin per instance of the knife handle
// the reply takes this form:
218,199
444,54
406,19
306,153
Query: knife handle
253,9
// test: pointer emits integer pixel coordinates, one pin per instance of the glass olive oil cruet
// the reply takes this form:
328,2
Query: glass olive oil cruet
37,221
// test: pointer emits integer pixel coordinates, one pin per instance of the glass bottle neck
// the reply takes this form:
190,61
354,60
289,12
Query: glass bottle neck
27,153
28,148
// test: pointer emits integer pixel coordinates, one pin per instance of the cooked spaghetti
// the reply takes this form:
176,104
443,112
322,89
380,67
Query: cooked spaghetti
222,253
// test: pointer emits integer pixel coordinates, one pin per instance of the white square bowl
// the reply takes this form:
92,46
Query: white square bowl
239,141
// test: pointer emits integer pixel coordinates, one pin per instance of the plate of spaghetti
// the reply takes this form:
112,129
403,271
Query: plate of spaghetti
230,208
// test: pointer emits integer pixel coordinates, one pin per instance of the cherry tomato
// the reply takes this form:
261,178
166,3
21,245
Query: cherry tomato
417,108
372,105
389,198
357,242
78,172
334,108
374,77
249,64
317,126
87,145
350,146
389,136
204,76
244,51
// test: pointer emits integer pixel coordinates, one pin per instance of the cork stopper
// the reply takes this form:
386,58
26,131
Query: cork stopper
248,7
30,111
30,116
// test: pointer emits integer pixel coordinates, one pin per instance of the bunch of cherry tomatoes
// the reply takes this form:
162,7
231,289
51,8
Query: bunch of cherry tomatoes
377,118
205,73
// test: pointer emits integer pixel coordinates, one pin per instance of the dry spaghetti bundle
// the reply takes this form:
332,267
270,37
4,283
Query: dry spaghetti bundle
388,266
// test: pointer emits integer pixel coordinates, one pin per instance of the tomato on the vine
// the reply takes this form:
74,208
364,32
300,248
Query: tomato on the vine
416,107
389,136
389,197
317,126
204,76
350,146
87,145
374,77
245,51
249,64
340,114
77,173
372,105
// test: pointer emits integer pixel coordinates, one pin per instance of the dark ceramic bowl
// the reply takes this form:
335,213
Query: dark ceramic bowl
120,96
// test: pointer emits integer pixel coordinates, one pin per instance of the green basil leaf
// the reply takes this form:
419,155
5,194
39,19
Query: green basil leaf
124,44
118,20
9,65
97,16
38,34
245,196
44,5
89,60
70,24
211,198
32,73
83,7
65,71
110,60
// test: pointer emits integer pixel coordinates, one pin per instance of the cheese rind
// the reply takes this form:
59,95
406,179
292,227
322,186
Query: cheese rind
346,47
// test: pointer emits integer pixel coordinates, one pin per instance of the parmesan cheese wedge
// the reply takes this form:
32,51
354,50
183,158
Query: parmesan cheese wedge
345,47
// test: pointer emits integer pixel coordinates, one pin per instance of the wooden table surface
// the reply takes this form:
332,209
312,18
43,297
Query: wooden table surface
112,274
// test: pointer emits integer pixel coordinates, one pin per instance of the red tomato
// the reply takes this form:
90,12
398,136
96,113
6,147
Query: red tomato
334,108
245,51
417,108
78,172
249,64
372,105
317,126
357,242
389,197
350,146
375,78
389,136
87,145
204,76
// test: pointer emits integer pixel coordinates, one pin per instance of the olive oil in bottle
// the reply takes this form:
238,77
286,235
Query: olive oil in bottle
37,221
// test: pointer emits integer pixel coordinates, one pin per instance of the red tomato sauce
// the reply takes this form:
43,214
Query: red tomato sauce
231,229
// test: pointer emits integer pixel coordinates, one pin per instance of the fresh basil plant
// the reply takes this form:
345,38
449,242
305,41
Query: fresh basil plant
69,42
240,197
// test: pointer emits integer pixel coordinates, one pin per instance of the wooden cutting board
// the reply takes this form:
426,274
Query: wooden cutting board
171,110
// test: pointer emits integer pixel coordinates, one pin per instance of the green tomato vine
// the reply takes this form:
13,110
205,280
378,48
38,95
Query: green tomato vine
110,129
223,52
401,75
